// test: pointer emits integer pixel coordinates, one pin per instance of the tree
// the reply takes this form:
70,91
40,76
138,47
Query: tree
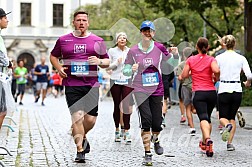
116,16
248,25
221,17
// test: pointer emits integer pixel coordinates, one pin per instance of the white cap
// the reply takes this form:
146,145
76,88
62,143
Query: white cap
120,34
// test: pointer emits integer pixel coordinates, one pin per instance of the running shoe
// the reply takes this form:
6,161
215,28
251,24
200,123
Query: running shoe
147,159
209,147
220,127
117,136
230,147
127,137
86,146
43,104
202,145
192,131
183,119
159,150
20,103
226,132
240,119
80,157
37,98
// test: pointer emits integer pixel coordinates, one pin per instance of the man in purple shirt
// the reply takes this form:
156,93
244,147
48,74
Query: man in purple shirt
144,60
81,52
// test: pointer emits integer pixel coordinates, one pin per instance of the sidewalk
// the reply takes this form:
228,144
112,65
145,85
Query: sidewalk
42,139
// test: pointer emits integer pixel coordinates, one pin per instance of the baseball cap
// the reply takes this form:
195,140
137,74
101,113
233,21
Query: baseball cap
147,24
2,13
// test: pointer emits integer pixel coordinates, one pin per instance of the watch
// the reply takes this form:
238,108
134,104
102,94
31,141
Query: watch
100,62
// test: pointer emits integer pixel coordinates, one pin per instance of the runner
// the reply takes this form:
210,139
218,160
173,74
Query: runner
144,61
4,63
42,72
230,91
202,68
186,91
239,115
81,52
120,87
21,75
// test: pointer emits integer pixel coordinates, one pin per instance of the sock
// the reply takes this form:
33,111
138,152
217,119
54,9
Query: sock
155,138
146,152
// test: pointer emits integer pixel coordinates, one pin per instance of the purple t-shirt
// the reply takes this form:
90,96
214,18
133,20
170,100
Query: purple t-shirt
148,77
74,52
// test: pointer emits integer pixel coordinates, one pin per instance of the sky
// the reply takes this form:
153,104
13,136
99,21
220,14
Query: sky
90,1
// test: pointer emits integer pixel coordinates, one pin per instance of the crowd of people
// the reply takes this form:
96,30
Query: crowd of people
139,76
38,79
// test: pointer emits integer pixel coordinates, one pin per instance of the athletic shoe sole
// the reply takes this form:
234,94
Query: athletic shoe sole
147,164
209,148
117,140
226,134
241,119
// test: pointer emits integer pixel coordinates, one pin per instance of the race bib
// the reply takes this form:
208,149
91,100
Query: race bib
121,82
79,68
150,79
43,71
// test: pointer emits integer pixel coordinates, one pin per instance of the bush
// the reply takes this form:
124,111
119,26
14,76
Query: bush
247,93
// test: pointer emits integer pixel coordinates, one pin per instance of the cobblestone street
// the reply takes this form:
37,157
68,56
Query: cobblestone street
42,138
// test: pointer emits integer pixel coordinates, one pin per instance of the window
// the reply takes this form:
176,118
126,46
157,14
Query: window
58,15
25,14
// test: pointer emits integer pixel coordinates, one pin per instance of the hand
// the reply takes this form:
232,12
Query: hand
119,60
180,78
135,67
173,50
62,72
247,84
109,71
93,60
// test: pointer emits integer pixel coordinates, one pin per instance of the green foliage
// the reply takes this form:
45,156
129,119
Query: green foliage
221,17
247,93
246,97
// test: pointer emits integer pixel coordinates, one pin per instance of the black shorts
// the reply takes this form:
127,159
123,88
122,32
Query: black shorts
167,83
84,98
204,102
229,103
179,91
150,111
21,89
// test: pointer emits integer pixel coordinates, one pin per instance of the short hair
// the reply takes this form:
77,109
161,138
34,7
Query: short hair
19,60
79,12
187,52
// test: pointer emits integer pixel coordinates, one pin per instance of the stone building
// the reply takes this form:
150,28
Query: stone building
34,26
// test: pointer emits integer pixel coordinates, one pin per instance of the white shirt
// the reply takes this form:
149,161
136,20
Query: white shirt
114,54
231,64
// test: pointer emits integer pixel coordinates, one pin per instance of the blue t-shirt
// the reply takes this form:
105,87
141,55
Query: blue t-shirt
44,69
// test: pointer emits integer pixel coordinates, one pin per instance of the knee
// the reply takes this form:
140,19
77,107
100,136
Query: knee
77,117
2,114
204,117
157,128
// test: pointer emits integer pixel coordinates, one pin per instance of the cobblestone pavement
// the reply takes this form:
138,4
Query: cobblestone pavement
42,138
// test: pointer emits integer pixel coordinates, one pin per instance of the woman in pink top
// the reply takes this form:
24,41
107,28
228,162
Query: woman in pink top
201,67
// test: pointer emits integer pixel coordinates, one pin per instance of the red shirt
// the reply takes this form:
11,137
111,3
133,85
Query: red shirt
200,66
56,79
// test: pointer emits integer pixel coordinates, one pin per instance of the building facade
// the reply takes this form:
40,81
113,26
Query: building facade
35,25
